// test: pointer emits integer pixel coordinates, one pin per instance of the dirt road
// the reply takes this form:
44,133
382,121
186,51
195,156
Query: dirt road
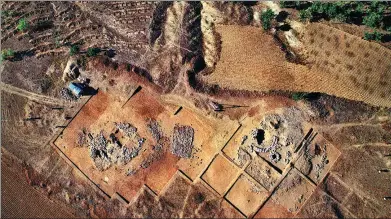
33,96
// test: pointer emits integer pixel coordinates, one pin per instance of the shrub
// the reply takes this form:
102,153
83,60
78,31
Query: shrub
360,7
115,65
57,42
22,24
305,15
5,13
266,19
341,17
287,4
299,96
82,61
373,19
128,67
93,52
7,53
373,36
74,50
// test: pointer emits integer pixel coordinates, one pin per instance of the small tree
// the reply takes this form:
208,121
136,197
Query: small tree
373,19
360,8
341,17
305,15
74,50
377,36
7,53
299,96
266,19
288,4
92,52
22,25
128,67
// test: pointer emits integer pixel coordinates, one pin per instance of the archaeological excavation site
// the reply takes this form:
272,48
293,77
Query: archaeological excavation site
189,109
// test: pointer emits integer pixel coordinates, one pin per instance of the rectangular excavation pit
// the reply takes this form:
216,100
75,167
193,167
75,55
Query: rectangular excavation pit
154,164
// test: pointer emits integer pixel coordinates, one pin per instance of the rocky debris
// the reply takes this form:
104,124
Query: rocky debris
130,172
156,155
288,157
182,144
274,156
244,138
243,156
66,94
83,80
266,149
81,138
254,188
97,145
320,166
98,151
71,70
155,129
294,182
128,129
276,134
135,150
106,152
157,147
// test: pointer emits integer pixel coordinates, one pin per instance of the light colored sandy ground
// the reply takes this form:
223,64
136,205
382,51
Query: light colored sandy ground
247,196
263,173
250,60
220,174
213,134
289,196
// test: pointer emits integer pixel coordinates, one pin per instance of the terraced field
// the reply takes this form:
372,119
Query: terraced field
251,60
362,66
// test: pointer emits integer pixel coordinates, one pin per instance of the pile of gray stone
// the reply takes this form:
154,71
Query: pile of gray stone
107,152
182,144
66,94
155,129
128,129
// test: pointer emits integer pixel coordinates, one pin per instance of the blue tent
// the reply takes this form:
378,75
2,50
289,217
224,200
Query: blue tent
76,89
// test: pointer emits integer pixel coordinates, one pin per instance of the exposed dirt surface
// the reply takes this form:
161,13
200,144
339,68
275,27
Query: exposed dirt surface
190,109
21,200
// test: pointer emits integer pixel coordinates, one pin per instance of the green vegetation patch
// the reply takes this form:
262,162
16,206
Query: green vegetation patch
299,96
74,50
23,25
91,52
373,14
266,19
375,35
7,53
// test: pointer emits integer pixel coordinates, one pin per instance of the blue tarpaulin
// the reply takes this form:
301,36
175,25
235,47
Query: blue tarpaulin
76,89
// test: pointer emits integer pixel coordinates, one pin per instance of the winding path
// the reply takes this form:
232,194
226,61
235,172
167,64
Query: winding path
33,96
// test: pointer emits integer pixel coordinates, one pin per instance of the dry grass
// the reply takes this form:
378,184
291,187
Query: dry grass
361,66
251,60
